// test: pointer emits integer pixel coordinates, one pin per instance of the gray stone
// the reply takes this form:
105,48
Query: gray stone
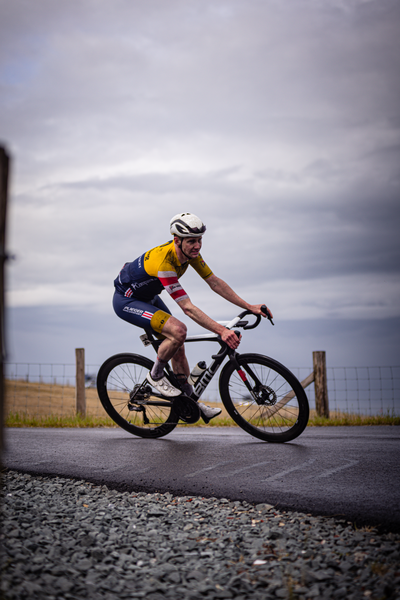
264,507
64,584
136,546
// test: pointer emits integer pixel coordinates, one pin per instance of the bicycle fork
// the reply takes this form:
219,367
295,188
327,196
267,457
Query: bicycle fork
259,392
205,379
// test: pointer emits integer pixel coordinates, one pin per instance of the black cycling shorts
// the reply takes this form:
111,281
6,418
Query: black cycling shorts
151,315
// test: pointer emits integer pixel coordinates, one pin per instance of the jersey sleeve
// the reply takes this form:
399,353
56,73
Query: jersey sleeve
169,280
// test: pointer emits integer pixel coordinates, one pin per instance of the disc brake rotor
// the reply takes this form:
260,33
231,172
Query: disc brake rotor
266,395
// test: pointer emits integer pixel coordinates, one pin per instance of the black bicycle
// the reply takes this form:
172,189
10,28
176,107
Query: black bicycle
260,394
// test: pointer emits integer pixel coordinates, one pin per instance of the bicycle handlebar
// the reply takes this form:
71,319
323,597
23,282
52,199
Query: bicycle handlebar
258,318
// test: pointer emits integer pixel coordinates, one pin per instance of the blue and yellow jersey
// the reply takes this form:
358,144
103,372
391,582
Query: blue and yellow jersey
155,270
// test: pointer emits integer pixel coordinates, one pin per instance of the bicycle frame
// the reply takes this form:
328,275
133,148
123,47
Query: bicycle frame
218,358
211,370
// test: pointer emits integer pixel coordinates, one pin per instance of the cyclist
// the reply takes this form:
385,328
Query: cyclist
137,300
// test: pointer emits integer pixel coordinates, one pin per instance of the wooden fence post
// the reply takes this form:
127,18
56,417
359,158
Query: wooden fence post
4,176
80,390
320,383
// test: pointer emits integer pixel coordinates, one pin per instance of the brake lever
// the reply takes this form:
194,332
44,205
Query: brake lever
266,313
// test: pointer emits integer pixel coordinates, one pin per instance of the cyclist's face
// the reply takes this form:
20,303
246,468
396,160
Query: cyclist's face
192,246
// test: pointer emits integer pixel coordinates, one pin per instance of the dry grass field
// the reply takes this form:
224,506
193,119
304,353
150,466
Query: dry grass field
45,404
46,399
39,399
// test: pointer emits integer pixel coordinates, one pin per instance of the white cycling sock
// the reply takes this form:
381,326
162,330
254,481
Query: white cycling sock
157,372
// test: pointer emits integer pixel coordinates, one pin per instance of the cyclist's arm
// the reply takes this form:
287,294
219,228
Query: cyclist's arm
220,287
205,321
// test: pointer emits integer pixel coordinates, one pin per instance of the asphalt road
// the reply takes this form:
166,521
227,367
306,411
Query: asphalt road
347,472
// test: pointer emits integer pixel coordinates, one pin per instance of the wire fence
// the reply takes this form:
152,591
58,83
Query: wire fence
49,389
359,390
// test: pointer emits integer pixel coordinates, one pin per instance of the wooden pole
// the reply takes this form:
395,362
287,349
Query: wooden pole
80,390
321,385
4,176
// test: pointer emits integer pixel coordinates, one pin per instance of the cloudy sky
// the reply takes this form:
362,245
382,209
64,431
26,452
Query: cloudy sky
277,122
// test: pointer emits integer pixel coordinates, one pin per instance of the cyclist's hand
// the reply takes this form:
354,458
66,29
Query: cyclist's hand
256,309
231,338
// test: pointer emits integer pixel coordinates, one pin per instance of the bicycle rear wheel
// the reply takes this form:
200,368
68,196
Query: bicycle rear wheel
264,398
146,416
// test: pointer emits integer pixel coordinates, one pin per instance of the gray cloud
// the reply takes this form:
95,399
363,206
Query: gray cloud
277,124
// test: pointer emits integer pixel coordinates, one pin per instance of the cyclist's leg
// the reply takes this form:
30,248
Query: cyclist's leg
180,365
172,348
175,333
154,315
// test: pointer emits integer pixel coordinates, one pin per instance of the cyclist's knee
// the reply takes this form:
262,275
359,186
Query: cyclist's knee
180,333
176,330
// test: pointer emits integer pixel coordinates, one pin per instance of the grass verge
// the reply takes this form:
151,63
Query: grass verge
350,419
337,419
26,420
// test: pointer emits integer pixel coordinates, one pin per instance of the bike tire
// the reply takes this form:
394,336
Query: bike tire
115,380
280,411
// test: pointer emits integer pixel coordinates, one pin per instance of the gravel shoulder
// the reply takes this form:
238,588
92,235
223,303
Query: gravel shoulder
63,538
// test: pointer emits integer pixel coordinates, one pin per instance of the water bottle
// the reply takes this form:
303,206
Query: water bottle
197,371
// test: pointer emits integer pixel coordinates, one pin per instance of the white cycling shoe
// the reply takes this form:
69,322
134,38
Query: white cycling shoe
208,411
163,386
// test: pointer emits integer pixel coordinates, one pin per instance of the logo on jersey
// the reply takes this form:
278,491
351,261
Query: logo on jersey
136,286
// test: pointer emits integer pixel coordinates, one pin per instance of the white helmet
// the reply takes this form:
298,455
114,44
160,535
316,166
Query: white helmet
186,225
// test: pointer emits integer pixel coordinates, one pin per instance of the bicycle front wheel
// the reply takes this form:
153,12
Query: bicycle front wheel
264,398
140,414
